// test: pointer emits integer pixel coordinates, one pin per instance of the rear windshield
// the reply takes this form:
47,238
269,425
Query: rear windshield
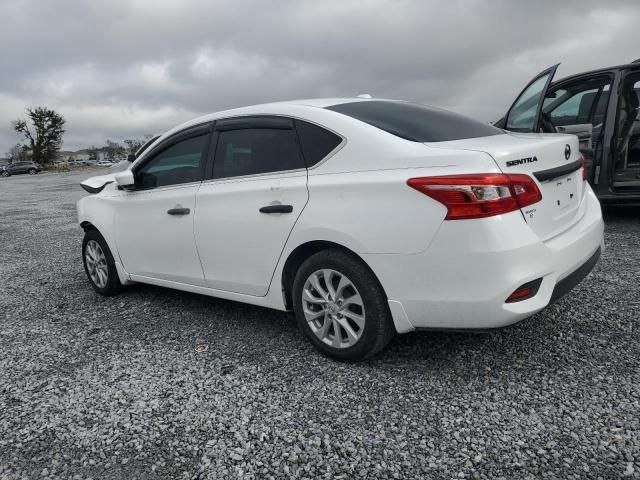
415,122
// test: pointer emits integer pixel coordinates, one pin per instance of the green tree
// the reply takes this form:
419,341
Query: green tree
43,132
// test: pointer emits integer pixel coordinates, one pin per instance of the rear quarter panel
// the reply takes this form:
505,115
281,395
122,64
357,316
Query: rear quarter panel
374,211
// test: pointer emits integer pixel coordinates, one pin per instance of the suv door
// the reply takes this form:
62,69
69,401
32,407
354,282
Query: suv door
254,194
154,221
579,107
524,114
19,167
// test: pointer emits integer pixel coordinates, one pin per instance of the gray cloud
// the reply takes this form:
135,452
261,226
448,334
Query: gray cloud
128,67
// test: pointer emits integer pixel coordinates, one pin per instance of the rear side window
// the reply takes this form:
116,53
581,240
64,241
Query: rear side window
252,151
413,122
316,142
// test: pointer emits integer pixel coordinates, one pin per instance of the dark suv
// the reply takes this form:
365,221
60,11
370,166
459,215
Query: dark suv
19,167
601,108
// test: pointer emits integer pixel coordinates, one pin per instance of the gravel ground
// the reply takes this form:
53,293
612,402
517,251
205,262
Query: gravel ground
114,387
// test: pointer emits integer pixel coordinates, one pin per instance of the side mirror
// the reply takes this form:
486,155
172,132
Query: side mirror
125,180
131,158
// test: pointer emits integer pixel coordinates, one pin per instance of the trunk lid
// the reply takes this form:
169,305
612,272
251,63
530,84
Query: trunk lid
553,160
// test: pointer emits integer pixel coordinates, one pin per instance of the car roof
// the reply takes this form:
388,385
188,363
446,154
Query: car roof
597,71
271,108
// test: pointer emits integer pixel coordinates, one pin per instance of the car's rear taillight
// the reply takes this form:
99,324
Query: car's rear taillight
584,168
479,195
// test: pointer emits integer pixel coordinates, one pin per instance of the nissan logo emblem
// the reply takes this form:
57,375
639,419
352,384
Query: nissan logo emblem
567,152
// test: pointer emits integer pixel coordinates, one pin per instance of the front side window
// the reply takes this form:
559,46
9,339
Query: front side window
576,106
523,114
252,151
180,163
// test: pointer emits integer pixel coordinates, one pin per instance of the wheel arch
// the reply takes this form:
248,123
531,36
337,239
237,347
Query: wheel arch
86,226
301,253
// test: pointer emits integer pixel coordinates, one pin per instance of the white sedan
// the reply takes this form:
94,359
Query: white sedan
365,217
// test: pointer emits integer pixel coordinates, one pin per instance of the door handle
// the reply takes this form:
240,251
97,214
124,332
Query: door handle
178,211
277,209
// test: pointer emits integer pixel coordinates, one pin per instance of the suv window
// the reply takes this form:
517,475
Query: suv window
580,109
413,122
180,163
316,142
250,151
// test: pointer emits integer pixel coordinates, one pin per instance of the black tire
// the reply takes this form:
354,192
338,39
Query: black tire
32,171
378,327
113,285
5,173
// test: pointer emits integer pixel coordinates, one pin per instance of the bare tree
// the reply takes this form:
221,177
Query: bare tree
43,132
93,152
134,144
114,150
18,153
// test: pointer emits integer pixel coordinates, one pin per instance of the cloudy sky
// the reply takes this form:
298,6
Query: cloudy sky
121,68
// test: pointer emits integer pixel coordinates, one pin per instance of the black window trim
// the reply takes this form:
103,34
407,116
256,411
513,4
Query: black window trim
245,121
192,131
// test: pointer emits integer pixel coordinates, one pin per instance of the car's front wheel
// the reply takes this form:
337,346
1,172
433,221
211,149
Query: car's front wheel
341,307
32,171
5,173
99,265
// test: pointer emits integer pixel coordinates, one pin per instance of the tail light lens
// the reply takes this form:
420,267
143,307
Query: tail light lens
525,292
584,168
479,195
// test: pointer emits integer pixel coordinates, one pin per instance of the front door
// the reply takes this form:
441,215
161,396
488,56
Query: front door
256,190
154,221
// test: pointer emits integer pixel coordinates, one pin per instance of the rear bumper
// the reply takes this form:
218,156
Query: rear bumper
565,285
463,279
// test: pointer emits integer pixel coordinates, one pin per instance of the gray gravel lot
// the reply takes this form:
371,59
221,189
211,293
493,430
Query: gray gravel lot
114,388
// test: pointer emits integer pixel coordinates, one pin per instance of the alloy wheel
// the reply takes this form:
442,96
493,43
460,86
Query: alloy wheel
96,264
333,308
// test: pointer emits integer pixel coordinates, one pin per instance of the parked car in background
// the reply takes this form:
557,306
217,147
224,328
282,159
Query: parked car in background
600,107
16,168
364,217
104,163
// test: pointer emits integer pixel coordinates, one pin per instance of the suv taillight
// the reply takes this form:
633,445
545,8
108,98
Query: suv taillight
479,195
584,168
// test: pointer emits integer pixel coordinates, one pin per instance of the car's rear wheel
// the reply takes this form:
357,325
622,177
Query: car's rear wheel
32,171
99,265
341,307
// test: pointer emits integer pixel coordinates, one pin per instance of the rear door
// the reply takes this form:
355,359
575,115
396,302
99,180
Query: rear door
524,114
255,192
